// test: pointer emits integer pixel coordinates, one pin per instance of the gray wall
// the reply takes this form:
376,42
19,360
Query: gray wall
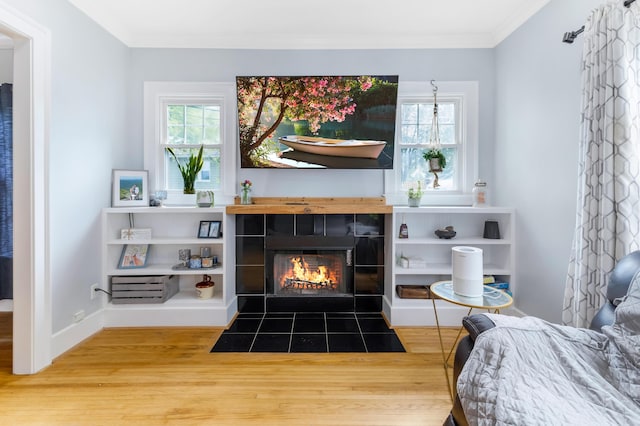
537,132
89,137
6,65
410,65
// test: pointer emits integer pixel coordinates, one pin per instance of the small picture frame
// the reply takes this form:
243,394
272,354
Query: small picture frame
133,256
214,229
209,229
130,188
203,229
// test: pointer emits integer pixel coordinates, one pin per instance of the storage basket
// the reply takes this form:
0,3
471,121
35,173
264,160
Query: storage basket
143,289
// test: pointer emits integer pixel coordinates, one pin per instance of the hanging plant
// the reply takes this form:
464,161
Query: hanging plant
190,169
436,159
434,156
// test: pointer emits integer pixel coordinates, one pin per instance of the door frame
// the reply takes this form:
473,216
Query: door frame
32,321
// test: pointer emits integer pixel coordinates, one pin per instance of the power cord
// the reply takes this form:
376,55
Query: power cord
102,290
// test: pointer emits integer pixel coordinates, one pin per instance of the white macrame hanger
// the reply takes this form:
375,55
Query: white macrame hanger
434,137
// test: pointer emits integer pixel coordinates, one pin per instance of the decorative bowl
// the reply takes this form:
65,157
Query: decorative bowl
446,233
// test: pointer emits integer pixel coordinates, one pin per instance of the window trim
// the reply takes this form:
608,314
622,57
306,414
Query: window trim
156,97
459,145
466,93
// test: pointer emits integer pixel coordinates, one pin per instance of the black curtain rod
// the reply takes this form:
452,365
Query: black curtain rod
571,36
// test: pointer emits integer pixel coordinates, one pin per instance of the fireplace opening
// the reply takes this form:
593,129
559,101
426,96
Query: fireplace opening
313,273
309,274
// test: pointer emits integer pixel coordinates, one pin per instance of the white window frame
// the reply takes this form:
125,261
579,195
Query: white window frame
157,95
465,94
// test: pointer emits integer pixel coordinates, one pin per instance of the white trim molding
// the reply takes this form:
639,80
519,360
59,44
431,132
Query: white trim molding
32,323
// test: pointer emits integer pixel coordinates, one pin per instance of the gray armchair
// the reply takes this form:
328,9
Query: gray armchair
619,281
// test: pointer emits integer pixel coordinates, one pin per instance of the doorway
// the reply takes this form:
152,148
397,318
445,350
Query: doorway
6,208
6,174
31,97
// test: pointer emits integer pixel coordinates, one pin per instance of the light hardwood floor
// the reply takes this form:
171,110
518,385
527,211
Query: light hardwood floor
163,376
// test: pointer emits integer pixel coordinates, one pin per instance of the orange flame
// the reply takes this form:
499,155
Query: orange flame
301,270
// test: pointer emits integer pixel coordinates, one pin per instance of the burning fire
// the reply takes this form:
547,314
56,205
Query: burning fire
308,275
301,271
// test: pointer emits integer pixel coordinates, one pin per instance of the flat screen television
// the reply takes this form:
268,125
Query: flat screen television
335,122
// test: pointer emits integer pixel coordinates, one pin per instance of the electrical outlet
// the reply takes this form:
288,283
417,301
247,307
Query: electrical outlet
78,316
94,291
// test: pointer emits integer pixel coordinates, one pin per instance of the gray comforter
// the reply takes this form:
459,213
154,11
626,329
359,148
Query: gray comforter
526,371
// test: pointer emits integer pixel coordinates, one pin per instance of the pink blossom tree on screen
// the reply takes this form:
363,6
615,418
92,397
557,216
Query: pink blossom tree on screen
263,102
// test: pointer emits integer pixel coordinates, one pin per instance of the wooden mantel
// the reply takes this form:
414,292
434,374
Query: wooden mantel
311,205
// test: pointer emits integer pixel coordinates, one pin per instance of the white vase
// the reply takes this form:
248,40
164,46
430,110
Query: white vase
204,198
414,202
181,200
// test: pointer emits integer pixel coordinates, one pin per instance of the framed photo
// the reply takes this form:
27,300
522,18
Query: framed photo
130,188
203,230
214,229
133,256
209,229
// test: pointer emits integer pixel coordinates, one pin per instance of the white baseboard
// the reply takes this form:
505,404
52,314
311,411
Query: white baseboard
144,316
69,337
167,316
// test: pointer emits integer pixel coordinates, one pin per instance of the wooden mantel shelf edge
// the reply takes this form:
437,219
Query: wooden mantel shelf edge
311,205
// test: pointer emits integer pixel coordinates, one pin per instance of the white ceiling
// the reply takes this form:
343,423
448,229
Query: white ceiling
296,24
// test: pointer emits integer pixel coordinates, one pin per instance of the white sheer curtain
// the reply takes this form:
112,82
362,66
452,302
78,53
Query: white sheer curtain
608,217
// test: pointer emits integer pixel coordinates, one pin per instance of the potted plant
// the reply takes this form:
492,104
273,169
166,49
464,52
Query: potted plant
436,159
437,162
415,195
190,169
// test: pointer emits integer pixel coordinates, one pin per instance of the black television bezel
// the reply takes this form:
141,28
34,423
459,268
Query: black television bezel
384,162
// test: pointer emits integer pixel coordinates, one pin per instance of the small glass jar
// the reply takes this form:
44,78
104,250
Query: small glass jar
245,198
480,194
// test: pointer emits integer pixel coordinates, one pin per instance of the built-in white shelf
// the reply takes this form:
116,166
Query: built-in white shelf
422,243
172,228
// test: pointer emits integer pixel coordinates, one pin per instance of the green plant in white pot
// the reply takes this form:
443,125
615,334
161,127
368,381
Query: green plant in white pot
436,161
190,169
415,195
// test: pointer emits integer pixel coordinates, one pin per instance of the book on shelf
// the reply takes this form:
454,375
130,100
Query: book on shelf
135,234
499,285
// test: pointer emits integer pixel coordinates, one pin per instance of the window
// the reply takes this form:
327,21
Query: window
185,128
457,121
184,117
416,120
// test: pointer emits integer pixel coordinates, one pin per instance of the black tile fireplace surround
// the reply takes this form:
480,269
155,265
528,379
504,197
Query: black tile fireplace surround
355,241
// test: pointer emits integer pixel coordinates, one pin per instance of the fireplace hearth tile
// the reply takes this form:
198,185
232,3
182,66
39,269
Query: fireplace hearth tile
350,315
373,325
308,325
245,325
276,325
309,343
279,315
348,342
229,342
267,342
310,315
342,325
288,332
382,342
